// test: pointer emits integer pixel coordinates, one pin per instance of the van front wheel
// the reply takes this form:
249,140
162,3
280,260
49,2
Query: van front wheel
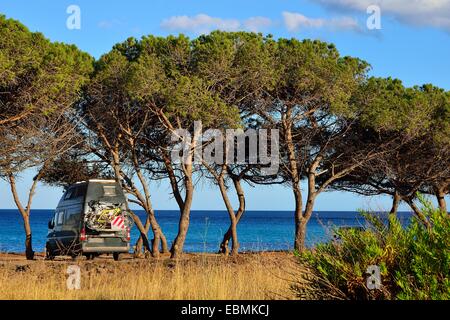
49,255
117,256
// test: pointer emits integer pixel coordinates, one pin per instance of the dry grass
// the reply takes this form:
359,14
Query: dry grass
249,276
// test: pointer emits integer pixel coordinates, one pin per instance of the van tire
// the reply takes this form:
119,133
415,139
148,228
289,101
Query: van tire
49,255
90,256
117,256
75,257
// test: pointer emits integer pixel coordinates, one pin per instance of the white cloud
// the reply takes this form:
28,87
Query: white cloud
203,23
200,23
432,13
297,21
256,24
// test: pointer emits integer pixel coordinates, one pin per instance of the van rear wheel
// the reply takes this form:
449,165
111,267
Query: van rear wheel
75,256
90,256
117,256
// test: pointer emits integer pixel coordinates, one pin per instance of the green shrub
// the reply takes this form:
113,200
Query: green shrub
414,260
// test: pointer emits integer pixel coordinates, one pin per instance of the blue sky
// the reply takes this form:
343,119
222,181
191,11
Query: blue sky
413,45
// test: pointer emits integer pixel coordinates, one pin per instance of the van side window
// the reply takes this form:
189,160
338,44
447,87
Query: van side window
72,217
59,217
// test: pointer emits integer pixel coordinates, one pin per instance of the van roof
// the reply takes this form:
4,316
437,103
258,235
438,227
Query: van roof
97,180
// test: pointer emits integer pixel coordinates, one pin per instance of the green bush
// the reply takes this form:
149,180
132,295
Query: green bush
414,260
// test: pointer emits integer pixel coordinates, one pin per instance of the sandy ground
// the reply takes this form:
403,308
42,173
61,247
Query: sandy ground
263,275
19,258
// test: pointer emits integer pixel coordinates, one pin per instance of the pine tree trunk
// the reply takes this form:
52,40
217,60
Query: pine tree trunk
183,226
395,203
29,253
418,213
25,212
440,196
139,242
159,240
300,227
156,236
141,228
137,221
227,236
300,235
164,245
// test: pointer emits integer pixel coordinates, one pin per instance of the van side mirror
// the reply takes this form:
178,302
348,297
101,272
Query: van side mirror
51,225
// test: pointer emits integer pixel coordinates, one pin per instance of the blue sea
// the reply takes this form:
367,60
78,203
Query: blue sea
257,230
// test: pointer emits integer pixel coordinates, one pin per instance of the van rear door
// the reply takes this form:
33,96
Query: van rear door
105,218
